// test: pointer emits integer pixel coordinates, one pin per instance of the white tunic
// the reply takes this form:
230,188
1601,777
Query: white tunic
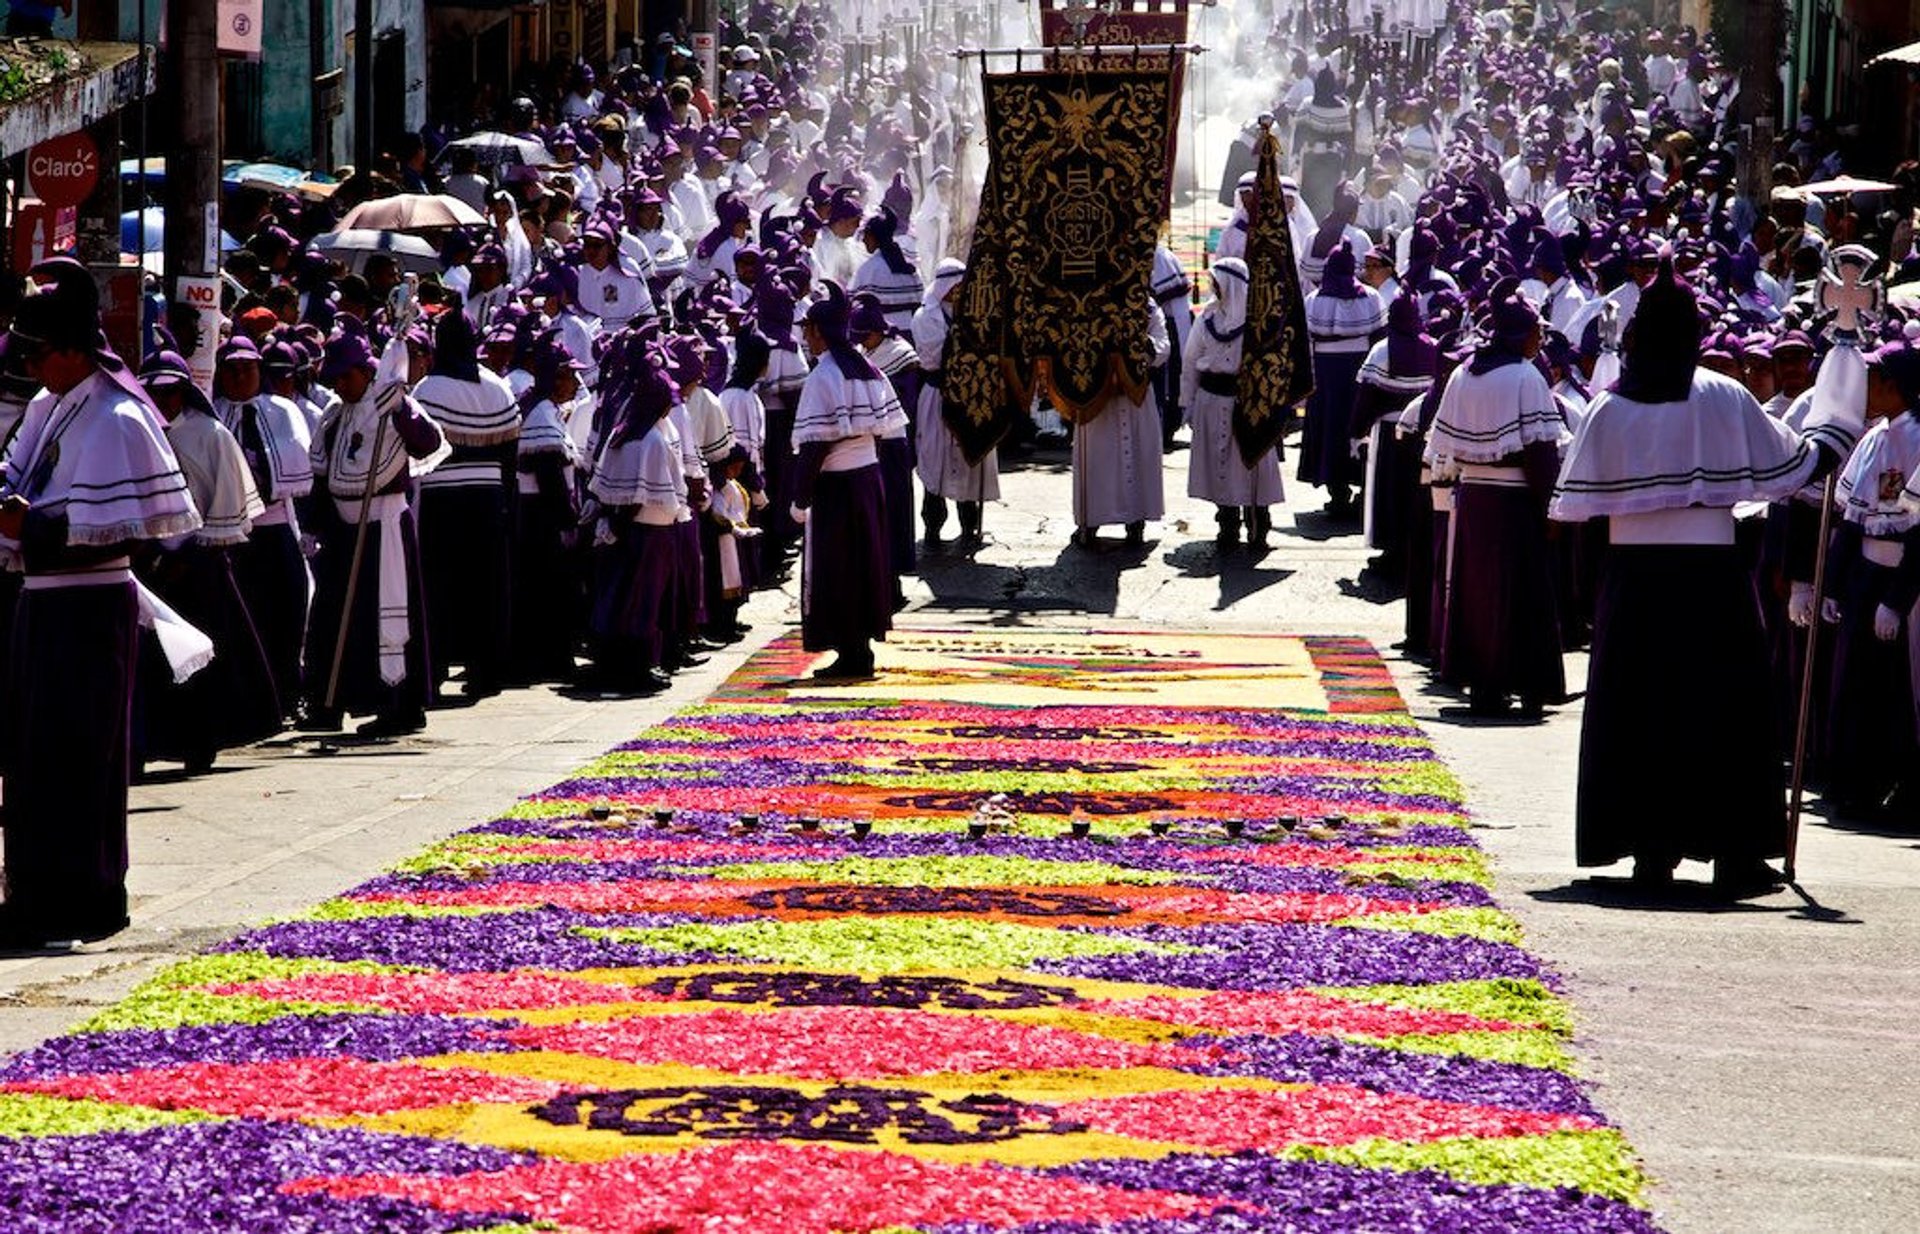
941,463
1117,455
1215,470
899,294
1484,418
1715,449
286,441
614,295
748,415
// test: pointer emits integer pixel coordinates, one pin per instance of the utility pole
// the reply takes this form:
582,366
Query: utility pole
193,156
363,87
1762,41
99,223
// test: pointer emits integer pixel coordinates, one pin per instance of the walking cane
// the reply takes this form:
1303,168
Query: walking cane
353,568
1797,797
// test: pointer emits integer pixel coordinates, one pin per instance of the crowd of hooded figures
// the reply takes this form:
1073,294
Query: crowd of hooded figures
1575,389
1586,394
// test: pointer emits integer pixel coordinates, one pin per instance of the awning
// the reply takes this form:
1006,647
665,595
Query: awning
105,77
469,18
1910,54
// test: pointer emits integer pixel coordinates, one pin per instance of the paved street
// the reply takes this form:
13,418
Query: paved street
1763,1058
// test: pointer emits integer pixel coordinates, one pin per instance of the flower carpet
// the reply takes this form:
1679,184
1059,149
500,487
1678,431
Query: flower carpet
806,959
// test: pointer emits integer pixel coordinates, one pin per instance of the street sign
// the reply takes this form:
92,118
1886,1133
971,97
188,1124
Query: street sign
63,170
240,27
202,295
704,51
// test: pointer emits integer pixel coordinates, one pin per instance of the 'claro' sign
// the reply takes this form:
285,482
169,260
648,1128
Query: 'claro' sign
63,170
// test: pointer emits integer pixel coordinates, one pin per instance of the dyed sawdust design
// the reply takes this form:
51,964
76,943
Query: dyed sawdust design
586,1016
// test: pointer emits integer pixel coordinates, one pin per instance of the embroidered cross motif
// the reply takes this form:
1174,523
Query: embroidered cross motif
1846,292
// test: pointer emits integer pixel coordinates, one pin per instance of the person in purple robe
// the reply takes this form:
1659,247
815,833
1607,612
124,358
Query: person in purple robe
366,454
1677,688
845,408
89,479
1497,432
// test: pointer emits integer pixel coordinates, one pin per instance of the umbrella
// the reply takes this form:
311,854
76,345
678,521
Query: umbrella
154,224
277,177
411,212
156,173
263,175
496,149
352,248
1846,184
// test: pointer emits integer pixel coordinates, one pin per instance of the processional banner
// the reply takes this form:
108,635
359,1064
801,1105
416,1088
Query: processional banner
1276,359
1056,298
1131,23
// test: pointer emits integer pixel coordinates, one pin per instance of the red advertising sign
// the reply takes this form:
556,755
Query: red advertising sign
40,231
63,170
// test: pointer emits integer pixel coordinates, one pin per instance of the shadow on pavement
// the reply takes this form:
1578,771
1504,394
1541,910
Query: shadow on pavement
1319,526
1372,588
1238,569
1683,896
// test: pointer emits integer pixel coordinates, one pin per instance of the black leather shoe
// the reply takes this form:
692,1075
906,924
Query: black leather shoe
843,669
1739,879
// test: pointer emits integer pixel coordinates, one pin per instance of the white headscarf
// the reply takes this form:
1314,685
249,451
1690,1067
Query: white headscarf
949,272
1229,313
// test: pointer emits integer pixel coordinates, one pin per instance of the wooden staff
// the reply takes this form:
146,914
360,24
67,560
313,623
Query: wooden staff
359,554
1797,796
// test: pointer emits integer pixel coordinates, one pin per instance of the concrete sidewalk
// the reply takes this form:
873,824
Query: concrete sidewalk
1764,1058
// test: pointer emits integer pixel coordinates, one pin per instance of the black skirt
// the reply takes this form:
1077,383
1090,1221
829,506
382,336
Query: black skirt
896,475
363,691
1680,755
466,556
1503,627
1870,724
633,598
272,574
847,586
232,701
66,757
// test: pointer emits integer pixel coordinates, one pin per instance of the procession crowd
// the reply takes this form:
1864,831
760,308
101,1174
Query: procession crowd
1576,387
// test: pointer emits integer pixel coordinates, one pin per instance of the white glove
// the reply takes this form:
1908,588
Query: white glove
1800,605
1830,611
1886,624
799,513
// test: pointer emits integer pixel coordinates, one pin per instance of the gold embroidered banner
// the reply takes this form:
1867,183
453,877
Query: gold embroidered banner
1079,158
1130,24
1276,361
976,398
